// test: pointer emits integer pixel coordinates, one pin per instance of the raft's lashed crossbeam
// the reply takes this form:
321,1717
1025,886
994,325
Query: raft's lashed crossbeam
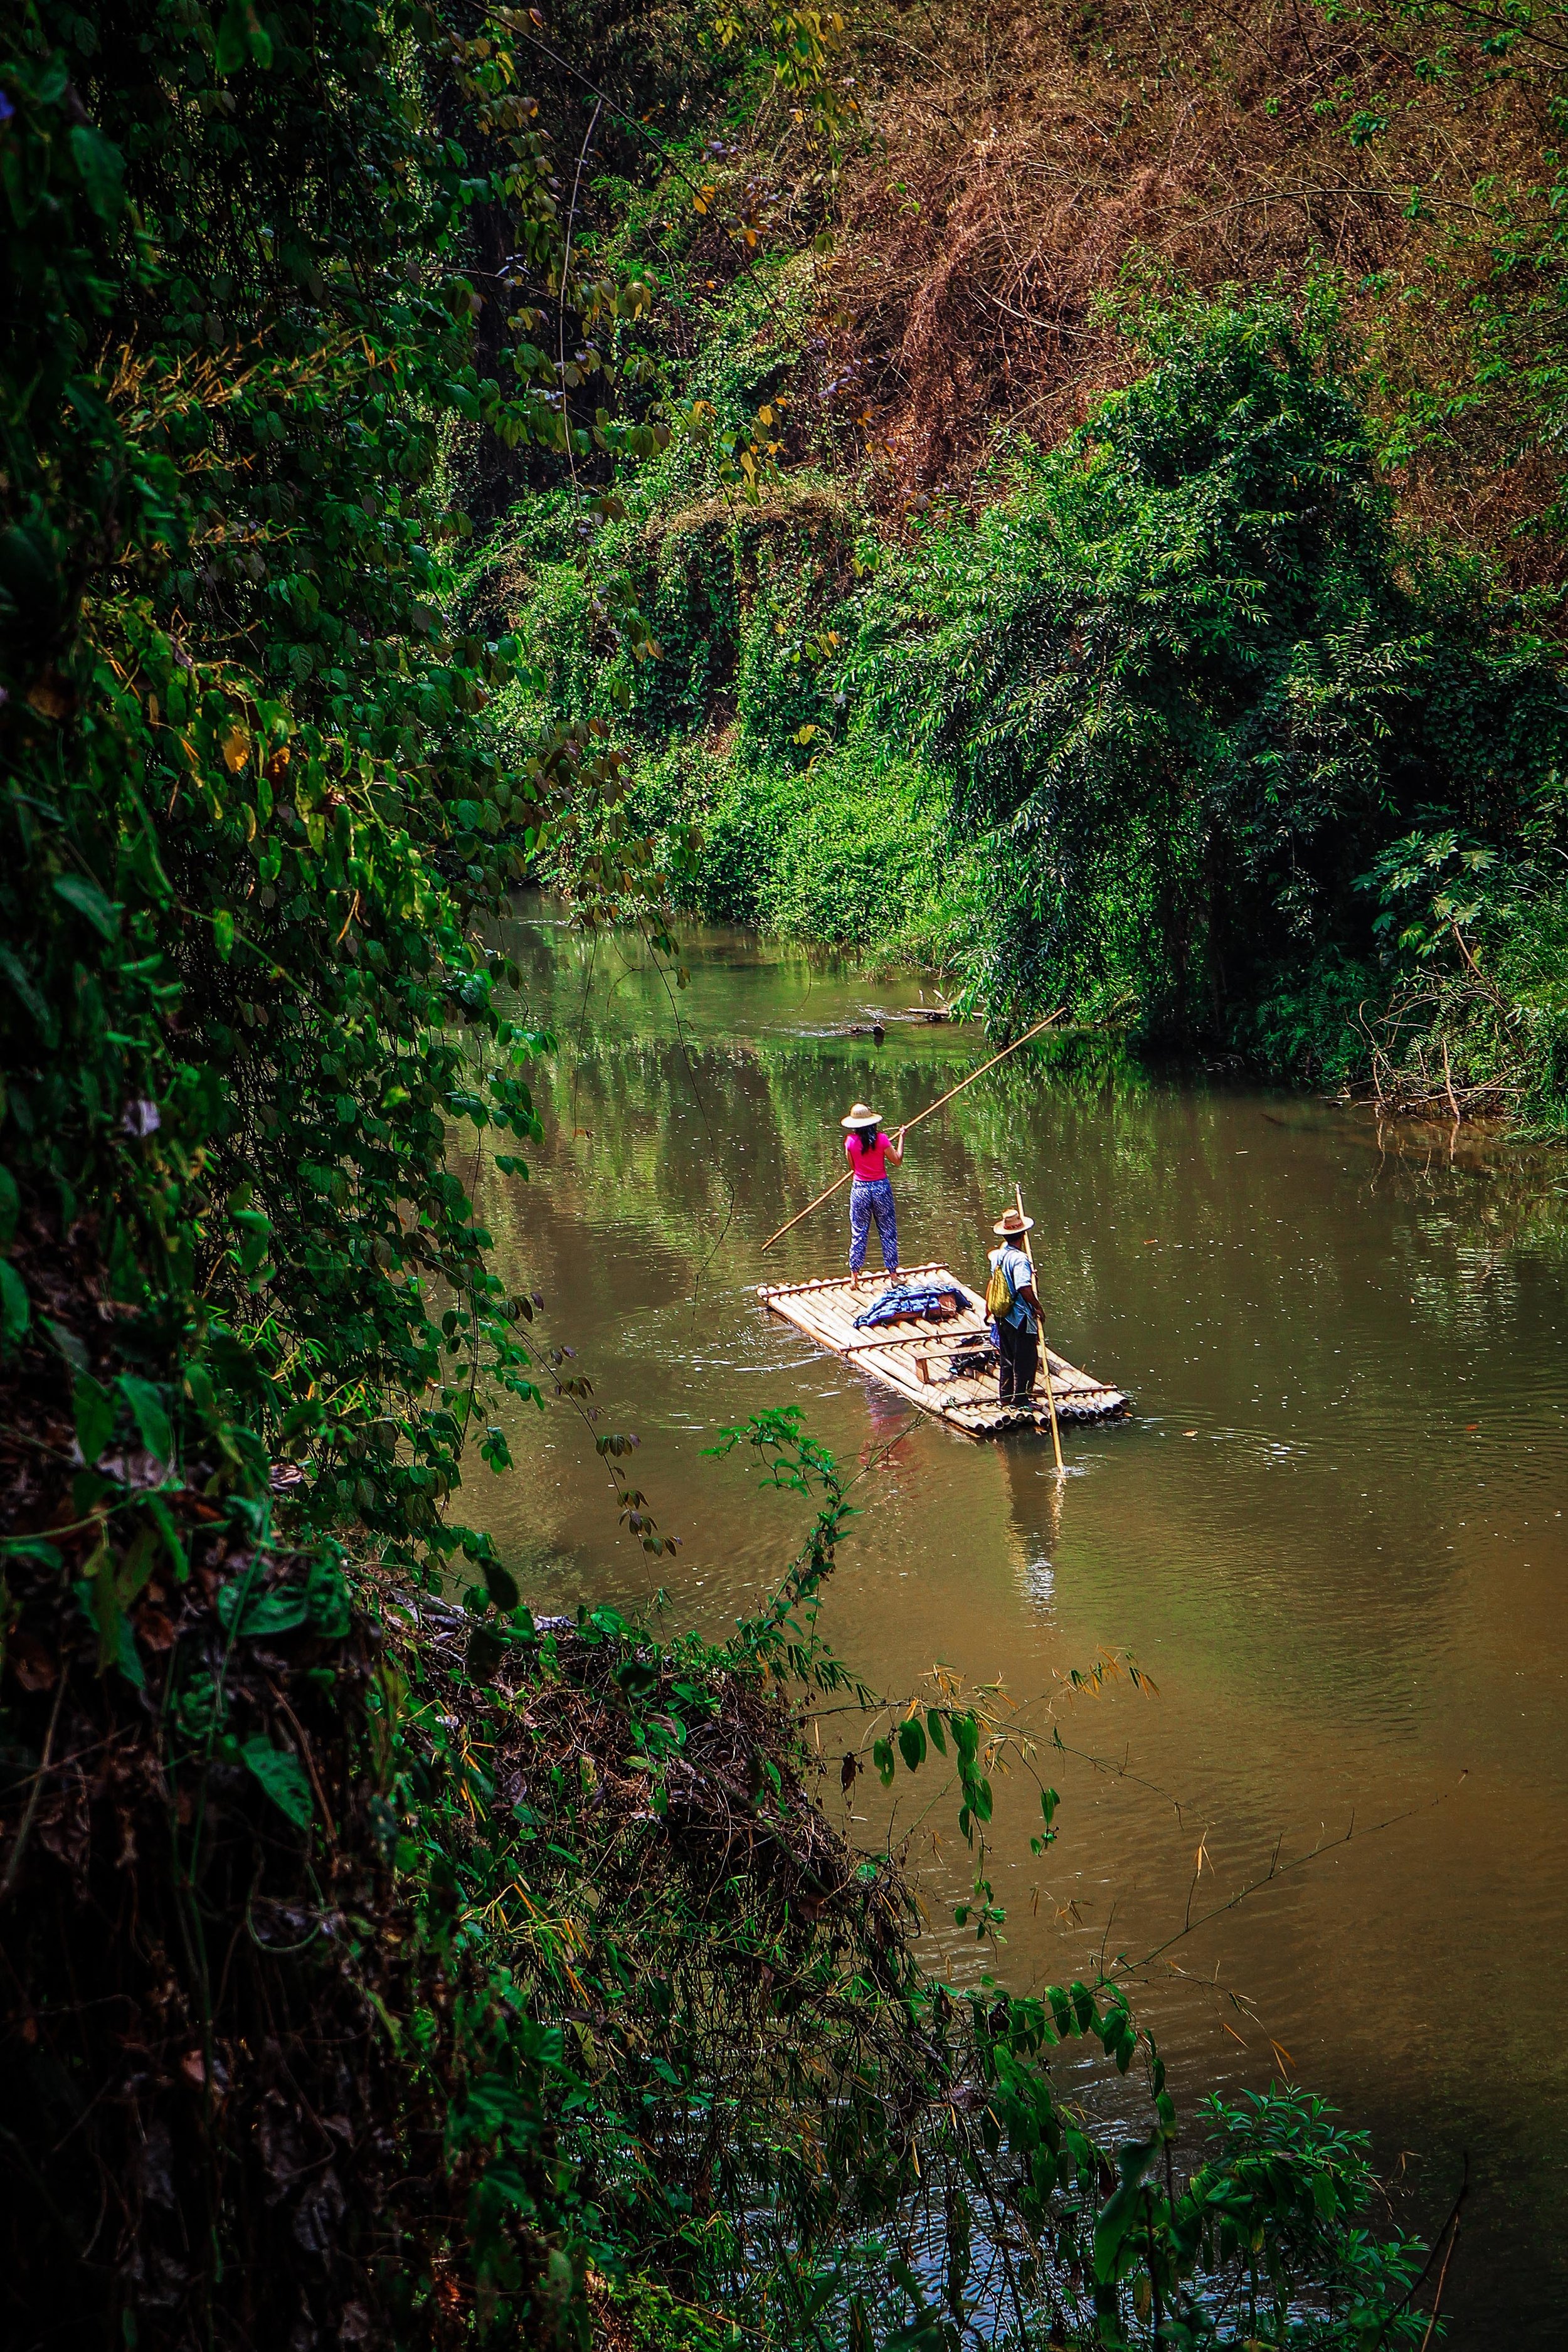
968,1337
844,1282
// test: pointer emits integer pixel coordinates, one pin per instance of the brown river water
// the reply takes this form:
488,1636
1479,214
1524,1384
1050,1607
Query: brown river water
1332,1532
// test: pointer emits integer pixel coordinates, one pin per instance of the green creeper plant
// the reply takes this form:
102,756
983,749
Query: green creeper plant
254,809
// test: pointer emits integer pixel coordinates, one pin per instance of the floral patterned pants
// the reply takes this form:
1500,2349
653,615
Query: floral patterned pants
866,1202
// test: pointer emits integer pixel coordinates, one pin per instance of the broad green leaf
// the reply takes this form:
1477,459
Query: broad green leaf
242,34
282,1778
136,1568
501,1587
1114,2219
10,1205
147,1409
1121,2208
232,46
100,1603
638,1677
16,1308
89,900
102,168
125,1656
262,1613
163,1520
26,988
912,1742
327,1598
70,1343
484,1654
33,1547
94,1406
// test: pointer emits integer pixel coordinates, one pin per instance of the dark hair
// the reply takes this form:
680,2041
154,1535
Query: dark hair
865,1137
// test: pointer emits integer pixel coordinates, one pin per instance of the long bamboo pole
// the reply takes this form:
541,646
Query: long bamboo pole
1045,1352
947,1098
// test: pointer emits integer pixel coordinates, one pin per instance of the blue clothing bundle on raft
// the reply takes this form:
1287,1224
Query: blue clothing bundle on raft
906,1299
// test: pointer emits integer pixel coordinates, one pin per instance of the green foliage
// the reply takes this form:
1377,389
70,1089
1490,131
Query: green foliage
206,1689
1492,311
1481,1021
659,2322
478,1967
1134,735
707,2055
1311,1021
755,807
253,805
1185,674
844,850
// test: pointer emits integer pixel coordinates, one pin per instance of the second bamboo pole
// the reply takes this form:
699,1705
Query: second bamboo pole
1045,1352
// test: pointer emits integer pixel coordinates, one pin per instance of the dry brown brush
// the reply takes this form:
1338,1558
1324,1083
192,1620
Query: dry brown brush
1022,158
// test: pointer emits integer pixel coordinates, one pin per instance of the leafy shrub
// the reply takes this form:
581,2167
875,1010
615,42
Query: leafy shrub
842,850
509,1978
1133,737
1184,676
252,802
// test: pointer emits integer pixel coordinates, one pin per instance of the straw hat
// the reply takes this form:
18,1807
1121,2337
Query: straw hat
862,1116
1013,1224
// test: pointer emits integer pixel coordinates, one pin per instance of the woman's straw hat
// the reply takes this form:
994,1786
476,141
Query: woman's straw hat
1013,1224
862,1116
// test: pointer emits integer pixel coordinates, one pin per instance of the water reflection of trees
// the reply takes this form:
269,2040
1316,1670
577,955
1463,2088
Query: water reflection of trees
683,1135
697,1137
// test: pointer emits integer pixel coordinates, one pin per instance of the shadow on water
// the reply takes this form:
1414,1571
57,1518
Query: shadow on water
1333,1532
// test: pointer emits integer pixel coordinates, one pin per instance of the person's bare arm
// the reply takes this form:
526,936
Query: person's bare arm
896,1147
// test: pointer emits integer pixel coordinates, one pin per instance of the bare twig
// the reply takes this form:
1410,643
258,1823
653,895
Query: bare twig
1277,1869
14,1863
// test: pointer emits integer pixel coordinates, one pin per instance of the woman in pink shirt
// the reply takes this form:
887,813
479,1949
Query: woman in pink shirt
868,1150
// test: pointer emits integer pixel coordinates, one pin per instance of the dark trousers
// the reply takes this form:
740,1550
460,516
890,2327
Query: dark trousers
1020,1362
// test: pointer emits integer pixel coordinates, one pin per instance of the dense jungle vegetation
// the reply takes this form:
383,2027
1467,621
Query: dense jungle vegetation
1115,561
443,446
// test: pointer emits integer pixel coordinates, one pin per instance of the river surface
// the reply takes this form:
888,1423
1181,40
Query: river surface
1333,1533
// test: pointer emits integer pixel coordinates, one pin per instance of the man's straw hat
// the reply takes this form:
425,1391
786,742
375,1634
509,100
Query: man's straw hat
1013,1224
862,1116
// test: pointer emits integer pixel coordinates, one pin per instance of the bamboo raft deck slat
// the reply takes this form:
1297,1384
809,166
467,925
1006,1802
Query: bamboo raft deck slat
911,1358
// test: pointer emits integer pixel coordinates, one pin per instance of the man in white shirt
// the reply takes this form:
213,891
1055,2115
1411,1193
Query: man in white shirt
1017,1330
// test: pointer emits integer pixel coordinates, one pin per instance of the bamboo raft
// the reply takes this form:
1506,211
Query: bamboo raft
916,1356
